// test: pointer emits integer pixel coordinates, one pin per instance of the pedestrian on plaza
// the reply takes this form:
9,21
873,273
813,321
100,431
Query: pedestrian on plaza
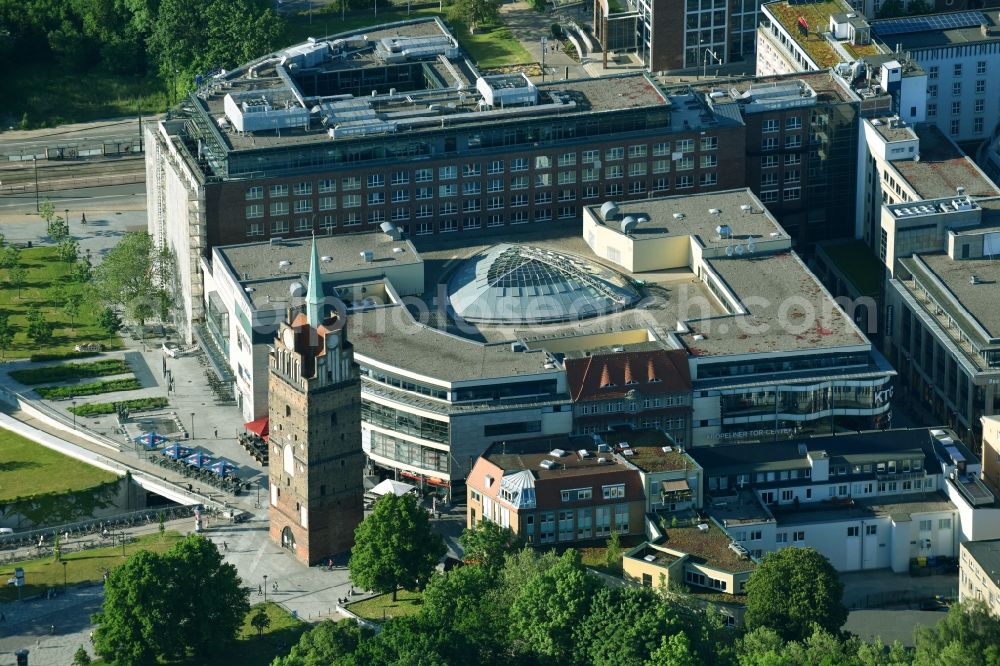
52,629
217,433
260,590
275,586
225,546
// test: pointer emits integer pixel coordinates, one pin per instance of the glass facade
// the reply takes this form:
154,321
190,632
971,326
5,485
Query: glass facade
404,422
408,453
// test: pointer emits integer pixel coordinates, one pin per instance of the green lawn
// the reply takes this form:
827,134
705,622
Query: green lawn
856,261
28,469
382,606
52,95
277,640
489,47
82,567
44,271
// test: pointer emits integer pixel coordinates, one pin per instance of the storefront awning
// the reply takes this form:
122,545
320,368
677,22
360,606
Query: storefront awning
258,427
675,486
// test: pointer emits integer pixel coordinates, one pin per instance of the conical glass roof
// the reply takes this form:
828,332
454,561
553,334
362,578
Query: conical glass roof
520,284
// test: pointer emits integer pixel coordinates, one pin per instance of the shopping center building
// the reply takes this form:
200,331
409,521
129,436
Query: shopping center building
466,343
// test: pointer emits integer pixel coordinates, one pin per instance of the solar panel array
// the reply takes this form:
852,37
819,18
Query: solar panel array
908,24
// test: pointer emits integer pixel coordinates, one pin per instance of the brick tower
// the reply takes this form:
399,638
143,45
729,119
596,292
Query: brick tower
316,468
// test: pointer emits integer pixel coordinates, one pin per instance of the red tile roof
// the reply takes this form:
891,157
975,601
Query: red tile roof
608,376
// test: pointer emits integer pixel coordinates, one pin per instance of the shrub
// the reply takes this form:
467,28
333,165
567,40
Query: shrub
64,392
60,373
60,356
98,408
556,30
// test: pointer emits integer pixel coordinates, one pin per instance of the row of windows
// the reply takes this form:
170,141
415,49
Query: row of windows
791,141
773,125
495,167
771,161
933,71
348,201
578,524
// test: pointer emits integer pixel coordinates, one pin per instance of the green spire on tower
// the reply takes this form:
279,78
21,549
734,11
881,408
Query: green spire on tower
314,297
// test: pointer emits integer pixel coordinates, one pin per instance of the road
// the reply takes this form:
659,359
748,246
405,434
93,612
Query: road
130,196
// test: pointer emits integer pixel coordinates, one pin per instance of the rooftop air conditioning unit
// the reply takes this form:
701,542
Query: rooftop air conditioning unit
547,464
557,453
702,527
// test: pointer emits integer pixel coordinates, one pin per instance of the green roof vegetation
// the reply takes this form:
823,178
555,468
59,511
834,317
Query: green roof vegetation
28,469
856,262
817,15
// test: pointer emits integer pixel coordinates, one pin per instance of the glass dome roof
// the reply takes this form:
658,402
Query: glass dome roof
520,284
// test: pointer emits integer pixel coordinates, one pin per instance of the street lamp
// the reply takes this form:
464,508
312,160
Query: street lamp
74,414
704,60
545,43
257,505
265,588
66,218
123,536
64,563
192,425
34,161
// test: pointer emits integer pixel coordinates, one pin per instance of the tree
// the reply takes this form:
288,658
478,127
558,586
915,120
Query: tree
463,604
109,321
81,657
67,250
81,270
10,257
625,625
134,618
915,7
551,604
614,552
161,606
394,546
324,644
71,306
40,329
968,635
55,226
133,276
18,277
487,544
6,333
260,621
890,9
792,589
474,13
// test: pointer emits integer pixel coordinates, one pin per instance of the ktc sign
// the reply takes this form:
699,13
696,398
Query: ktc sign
883,396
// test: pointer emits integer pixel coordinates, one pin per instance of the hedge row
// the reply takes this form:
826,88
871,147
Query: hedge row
98,408
67,371
63,392
61,356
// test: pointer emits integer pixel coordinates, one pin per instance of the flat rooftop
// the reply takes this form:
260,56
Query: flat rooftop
267,270
389,334
737,506
528,454
817,15
657,218
900,508
766,284
942,168
320,91
647,451
851,449
827,89
979,300
986,554
890,130
934,30
705,546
